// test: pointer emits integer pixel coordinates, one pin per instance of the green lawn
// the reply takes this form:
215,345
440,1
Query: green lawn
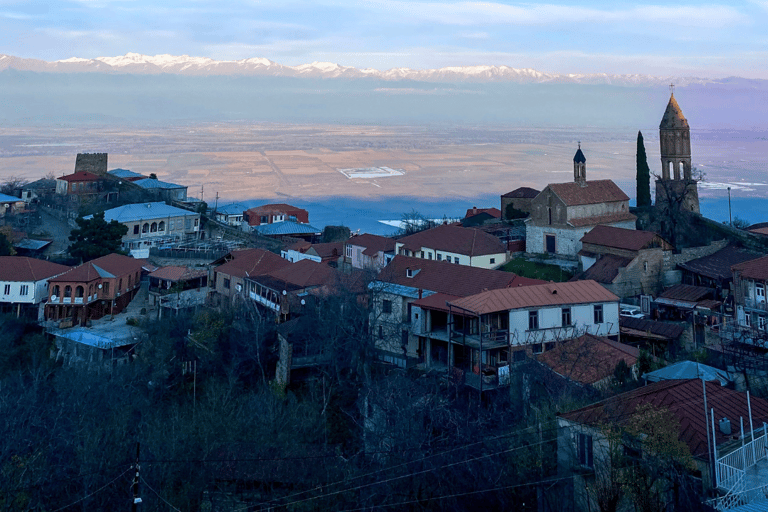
522,267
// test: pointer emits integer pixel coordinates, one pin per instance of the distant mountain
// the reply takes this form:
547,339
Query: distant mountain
134,63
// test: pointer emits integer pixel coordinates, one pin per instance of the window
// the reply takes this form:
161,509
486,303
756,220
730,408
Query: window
439,256
566,316
349,250
584,442
145,228
7,290
456,260
381,331
197,222
226,283
493,260
429,255
536,348
747,319
67,291
761,322
645,266
598,313
24,289
136,229
448,259
161,226
386,306
533,320
153,227
106,287
760,292
422,255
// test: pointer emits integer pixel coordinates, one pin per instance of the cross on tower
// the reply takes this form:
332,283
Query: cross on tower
672,88
579,144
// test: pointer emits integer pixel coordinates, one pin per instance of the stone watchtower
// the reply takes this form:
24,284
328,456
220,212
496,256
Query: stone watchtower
676,187
580,167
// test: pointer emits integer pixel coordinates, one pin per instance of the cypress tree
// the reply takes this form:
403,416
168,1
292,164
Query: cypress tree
643,174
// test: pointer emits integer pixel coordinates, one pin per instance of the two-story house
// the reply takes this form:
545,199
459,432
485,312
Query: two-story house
79,183
406,280
750,282
483,334
104,286
454,244
231,214
154,224
24,283
563,213
369,252
628,262
173,289
229,272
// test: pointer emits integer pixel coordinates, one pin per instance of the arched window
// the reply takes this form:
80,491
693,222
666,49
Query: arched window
145,228
79,291
161,226
67,291
56,290
682,169
153,228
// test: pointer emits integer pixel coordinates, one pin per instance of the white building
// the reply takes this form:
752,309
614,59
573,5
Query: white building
24,283
454,244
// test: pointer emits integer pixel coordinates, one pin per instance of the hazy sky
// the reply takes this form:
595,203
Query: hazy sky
710,39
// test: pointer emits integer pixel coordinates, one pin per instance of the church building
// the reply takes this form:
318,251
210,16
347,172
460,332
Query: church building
563,213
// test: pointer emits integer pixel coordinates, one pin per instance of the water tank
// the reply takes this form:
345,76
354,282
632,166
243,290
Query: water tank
725,426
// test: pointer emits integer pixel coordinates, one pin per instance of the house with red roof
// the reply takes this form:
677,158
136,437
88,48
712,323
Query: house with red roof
79,183
478,337
750,281
707,420
517,203
454,244
104,286
628,262
396,319
230,271
275,212
564,212
24,283
329,253
368,251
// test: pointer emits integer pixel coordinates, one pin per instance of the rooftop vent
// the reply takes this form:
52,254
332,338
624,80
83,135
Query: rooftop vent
725,426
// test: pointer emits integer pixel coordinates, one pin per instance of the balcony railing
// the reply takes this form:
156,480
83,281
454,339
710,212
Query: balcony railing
490,339
78,300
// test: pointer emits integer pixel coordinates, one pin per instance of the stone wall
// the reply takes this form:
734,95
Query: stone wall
95,163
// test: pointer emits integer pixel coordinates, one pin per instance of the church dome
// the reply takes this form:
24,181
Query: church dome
673,117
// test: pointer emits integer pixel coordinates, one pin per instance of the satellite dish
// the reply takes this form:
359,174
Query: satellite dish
285,292
53,297
303,302
99,286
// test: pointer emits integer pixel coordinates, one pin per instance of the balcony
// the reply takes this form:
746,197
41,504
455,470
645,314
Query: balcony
741,473
78,300
489,340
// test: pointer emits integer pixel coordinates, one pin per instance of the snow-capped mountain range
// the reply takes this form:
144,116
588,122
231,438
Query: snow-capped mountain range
135,63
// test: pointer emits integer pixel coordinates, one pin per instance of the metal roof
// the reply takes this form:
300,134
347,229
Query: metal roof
155,183
287,227
688,370
4,198
86,337
141,211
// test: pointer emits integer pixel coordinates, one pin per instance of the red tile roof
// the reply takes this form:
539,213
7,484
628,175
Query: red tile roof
522,193
373,243
467,241
550,294
80,176
600,191
111,265
620,238
588,359
493,212
252,262
302,274
602,219
436,301
685,400
329,249
753,269
686,293
174,273
23,269
444,277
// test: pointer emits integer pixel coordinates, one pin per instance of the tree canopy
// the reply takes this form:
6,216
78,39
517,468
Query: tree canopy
95,237
643,174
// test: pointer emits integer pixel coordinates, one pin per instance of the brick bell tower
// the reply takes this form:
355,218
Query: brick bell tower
676,184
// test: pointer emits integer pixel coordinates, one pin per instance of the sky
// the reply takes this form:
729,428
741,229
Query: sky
687,38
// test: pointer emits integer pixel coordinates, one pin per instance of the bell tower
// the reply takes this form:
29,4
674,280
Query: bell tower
676,183
580,167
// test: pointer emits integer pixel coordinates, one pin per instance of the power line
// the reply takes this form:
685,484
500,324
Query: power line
158,495
96,491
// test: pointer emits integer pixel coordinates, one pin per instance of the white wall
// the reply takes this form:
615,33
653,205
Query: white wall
37,291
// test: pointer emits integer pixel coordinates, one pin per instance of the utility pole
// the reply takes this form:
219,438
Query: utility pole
136,499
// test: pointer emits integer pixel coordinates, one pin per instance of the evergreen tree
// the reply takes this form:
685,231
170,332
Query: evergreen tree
643,174
95,237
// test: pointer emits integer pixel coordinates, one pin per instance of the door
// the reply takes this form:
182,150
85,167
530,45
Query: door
550,243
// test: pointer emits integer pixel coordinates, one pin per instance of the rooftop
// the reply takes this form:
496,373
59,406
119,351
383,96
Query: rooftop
685,401
550,294
80,176
140,211
373,244
594,192
443,277
251,262
5,198
287,227
111,265
152,183
588,359
605,269
23,269
718,265
302,274
673,118
522,193
174,273
753,269
125,173
602,219
620,238
455,239
688,370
